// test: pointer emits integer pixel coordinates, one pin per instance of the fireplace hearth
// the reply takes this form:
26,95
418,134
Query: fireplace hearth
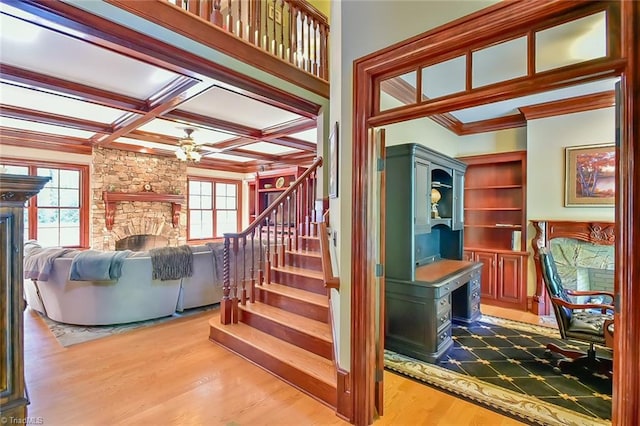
141,242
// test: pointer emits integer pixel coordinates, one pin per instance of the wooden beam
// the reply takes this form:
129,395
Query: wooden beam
53,119
75,90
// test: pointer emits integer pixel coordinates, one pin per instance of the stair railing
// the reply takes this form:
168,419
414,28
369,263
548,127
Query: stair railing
330,280
293,30
265,241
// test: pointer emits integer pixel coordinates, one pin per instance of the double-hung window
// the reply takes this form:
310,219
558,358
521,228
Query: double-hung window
214,208
58,215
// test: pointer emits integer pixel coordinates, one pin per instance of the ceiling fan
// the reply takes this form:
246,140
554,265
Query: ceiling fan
187,148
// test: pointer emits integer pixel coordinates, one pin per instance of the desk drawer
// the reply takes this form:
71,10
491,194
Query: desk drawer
444,336
443,318
443,304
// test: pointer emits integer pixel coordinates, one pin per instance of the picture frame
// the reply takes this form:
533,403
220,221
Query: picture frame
590,176
333,162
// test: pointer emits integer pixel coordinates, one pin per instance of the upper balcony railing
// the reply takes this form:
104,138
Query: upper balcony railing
292,30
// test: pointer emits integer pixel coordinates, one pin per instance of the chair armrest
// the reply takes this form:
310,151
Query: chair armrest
608,335
589,293
572,306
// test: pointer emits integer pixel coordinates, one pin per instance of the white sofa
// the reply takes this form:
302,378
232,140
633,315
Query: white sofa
135,296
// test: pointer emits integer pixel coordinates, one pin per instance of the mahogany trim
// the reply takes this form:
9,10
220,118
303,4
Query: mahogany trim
626,359
569,106
499,21
111,198
492,125
53,119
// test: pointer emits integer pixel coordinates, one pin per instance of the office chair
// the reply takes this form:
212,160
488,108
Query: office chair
585,322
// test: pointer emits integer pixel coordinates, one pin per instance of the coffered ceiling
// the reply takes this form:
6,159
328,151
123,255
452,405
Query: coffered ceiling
65,91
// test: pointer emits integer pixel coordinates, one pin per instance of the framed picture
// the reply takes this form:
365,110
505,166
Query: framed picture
590,176
333,162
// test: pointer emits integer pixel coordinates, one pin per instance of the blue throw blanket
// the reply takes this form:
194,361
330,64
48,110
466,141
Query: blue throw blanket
38,261
171,263
93,265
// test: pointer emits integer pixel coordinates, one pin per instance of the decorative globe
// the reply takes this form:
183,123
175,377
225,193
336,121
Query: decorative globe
435,196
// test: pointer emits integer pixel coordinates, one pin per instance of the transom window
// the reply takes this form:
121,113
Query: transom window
213,208
58,215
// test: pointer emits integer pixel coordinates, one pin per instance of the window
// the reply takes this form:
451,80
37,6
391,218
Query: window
213,208
58,215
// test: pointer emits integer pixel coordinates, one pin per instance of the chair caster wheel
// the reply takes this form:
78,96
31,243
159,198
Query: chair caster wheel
548,354
557,370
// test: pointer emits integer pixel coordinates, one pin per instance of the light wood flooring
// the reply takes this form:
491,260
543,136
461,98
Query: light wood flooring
171,374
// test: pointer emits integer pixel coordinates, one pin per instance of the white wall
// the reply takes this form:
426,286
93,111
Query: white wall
360,27
546,140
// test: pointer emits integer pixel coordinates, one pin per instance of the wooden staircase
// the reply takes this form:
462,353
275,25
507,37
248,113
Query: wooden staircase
286,329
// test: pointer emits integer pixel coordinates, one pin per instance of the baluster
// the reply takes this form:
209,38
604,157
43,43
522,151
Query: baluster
315,47
193,6
312,207
303,59
296,219
267,259
293,35
289,222
239,22
282,242
234,283
261,264
252,290
243,293
307,66
216,16
229,18
265,34
225,304
281,51
324,60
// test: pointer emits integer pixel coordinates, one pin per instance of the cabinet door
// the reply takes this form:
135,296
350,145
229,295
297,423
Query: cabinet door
457,216
510,280
469,256
488,276
422,197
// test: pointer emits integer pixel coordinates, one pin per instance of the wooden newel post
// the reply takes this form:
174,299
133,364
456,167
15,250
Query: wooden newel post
225,304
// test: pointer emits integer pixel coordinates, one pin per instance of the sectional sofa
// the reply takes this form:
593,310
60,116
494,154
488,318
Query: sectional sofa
135,296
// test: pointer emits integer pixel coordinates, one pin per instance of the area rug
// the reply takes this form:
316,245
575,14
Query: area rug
501,364
68,334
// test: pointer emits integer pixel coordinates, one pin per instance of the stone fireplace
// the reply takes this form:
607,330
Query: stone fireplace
124,174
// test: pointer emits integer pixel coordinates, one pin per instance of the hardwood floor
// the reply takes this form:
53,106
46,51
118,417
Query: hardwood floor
171,374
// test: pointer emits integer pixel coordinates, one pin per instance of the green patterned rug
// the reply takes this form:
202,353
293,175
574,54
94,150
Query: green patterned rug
69,334
501,364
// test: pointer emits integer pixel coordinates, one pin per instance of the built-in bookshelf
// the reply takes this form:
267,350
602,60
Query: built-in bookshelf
494,223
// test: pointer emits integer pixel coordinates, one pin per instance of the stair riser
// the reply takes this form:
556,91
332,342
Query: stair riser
309,244
301,261
314,285
288,334
306,383
315,312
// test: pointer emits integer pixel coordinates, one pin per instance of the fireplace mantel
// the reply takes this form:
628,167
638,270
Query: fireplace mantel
111,198
595,232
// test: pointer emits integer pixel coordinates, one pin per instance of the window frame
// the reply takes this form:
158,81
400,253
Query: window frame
213,181
32,205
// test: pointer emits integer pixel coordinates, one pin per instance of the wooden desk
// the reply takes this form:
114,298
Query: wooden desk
419,313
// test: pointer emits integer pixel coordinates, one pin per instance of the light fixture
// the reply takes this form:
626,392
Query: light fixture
187,149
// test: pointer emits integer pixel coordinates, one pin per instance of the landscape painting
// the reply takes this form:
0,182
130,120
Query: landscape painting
590,176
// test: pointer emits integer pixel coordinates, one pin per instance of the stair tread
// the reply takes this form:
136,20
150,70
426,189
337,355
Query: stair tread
296,293
314,365
299,271
311,253
311,327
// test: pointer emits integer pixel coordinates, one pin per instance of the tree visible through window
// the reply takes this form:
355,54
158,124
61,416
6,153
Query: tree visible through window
55,216
213,208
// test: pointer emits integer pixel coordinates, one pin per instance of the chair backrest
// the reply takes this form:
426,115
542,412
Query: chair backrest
553,284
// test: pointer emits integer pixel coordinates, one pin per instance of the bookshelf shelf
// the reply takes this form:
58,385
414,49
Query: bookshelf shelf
495,214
